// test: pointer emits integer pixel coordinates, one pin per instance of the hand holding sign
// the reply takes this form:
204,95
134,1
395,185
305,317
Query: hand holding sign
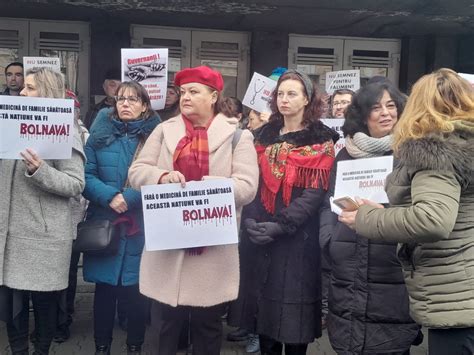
173,177
31,160
348,218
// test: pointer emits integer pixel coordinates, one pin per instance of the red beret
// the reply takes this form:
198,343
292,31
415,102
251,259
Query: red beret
203,75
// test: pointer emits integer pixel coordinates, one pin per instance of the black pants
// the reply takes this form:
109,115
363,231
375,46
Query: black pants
206,328
269,346
454,341
105,300
45,307
71,289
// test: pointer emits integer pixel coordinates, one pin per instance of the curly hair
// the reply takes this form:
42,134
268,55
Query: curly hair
436,100
312,111
358,112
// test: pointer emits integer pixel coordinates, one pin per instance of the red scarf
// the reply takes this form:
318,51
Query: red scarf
191,158
284,165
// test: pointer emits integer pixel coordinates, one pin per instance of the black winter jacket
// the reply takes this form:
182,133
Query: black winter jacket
368,300
289,269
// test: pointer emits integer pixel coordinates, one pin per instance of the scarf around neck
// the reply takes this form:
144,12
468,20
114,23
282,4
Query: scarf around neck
191,158
363,146
284,165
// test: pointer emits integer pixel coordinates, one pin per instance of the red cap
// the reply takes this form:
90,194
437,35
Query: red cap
71,95
203,75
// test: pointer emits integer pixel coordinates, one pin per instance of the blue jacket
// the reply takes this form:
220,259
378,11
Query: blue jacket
109,151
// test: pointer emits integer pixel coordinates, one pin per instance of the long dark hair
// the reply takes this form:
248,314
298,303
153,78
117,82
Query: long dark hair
312,111
142,94
358,112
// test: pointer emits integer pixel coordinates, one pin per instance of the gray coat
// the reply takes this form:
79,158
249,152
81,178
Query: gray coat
35,222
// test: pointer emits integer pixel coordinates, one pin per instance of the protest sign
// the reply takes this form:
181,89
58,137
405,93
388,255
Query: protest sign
45,125
201,214
41,62
364,178
149,67
336,124
259,92
343,79
468,77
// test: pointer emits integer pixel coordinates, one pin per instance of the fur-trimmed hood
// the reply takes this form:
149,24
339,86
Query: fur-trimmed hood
315,133
107,129
450,152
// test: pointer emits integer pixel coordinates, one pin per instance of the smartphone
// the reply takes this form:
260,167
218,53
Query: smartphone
346,203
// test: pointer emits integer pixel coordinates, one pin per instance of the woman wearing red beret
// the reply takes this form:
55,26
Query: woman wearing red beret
195,145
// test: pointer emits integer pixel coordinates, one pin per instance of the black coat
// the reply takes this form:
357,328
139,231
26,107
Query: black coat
289,269
368,300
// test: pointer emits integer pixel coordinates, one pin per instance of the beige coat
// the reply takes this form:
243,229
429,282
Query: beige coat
172,276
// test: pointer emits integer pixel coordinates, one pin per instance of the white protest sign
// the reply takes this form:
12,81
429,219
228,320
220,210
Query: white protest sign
259,93
468,77
336,124
201,214
364,178
149,67
45,125
41,62
343,79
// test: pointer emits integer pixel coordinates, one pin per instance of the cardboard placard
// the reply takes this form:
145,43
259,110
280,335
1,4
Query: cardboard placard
343,79
44,125
149,67
259,93
201,214
363,178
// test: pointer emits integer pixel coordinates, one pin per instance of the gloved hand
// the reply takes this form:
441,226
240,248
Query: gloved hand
263,232
272,229
250,223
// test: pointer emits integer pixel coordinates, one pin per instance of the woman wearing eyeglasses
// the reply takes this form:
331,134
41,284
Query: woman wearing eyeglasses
115,138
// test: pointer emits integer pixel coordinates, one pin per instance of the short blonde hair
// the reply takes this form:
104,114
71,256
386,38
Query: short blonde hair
436,100
49,83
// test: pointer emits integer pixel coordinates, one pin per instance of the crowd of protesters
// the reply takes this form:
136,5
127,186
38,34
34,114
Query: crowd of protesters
373,276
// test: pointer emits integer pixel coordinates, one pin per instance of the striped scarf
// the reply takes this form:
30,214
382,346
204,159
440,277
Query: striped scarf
191,158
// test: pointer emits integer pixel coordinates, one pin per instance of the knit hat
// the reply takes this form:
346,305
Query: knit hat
113,74
202,74
71,95
277,72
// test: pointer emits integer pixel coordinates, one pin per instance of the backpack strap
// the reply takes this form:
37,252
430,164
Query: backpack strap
236,138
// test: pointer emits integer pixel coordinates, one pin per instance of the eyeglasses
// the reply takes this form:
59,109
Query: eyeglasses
132,100
341,103
379,107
